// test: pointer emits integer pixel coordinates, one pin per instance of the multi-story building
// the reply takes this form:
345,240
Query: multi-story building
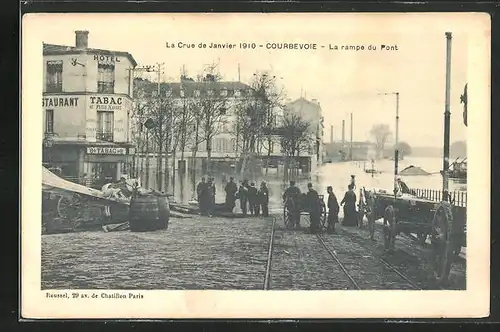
224,143
87,99
310,111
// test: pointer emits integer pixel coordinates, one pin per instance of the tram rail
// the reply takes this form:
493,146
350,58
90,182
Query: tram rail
335,258
267,278
385,262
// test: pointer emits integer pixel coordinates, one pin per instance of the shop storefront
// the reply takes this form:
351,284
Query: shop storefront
104,164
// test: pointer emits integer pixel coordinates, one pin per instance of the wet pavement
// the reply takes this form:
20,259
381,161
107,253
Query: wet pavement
221,253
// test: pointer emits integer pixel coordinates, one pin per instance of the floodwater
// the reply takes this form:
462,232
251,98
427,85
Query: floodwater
218,253
336,175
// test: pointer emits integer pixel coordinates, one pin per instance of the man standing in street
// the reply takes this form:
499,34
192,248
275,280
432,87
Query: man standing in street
263,198
291,198
252,199
333,210
210,196
312,199
349,202
230,190
201,189
243,197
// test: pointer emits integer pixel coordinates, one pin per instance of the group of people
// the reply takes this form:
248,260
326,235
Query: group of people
206,196
310,202
251,199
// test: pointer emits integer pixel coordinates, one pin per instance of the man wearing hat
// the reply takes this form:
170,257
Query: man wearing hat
293,193
312,199
230,190
263,198
252,199
333,210
201,190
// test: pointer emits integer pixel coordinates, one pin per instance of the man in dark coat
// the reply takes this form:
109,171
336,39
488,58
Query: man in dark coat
349,202
333,210
212,180
201,189
230,190
263,198
243,197
210,197
313,206
252,199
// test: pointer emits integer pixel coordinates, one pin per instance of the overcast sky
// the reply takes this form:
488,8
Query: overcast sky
342,81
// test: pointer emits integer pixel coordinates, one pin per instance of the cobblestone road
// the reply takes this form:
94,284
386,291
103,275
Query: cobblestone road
218,253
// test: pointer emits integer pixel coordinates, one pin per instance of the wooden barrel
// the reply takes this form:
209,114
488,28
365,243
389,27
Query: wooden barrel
148,213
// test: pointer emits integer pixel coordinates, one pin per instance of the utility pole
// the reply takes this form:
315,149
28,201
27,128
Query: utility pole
146,68
396,145
331,133
446,147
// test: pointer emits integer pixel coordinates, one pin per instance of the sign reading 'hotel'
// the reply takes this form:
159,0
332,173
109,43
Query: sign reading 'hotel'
106,150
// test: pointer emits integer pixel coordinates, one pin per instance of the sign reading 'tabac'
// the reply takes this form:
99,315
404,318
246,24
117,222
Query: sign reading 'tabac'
106,150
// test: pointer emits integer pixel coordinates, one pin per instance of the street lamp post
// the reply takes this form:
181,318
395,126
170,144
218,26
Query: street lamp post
446,147
396,145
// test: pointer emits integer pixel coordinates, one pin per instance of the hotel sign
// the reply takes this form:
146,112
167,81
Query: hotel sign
106,150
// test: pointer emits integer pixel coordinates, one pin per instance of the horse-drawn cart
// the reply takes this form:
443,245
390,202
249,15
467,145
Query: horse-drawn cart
296,206
444,222
68,206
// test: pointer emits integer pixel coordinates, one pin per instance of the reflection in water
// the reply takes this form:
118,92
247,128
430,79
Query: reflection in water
337,175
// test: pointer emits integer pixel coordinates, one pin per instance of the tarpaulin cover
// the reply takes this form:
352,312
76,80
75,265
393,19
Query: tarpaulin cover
50,181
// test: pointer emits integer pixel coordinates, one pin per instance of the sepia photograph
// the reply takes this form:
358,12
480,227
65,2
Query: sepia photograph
253,153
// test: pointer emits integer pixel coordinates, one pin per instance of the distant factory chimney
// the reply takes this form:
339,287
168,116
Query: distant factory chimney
82,39
331,133
343,133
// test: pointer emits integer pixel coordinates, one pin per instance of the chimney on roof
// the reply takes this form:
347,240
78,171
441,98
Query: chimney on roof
82,39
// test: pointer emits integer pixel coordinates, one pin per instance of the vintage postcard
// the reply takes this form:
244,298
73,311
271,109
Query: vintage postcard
255,165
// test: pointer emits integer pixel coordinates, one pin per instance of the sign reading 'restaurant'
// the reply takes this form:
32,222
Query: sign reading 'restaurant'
60,102
106,150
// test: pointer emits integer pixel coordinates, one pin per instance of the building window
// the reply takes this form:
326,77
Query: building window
105,78
196,93
105,124
54,76
49,121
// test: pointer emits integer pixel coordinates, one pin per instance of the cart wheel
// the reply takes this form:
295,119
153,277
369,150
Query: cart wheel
69,209
323,215
441,240
389,228
371,225
287,218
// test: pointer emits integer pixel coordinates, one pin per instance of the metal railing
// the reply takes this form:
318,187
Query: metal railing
457,197
105,136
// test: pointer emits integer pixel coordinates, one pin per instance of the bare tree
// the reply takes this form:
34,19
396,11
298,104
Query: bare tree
256,118
381,133
294,138
138,135
212,109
